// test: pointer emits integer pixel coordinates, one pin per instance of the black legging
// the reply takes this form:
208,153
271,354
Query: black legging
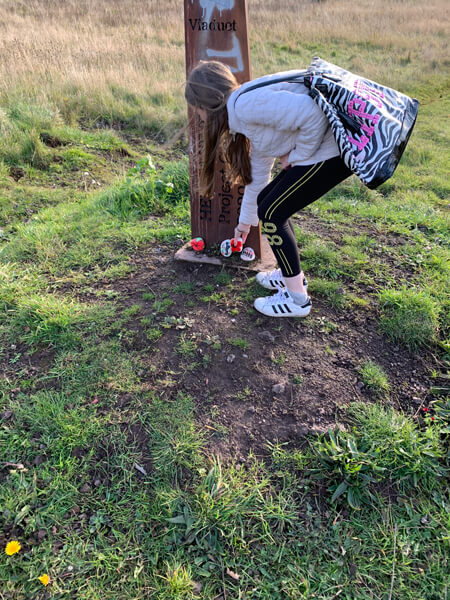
289,192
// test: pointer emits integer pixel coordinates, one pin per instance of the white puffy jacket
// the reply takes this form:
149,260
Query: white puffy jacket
278,119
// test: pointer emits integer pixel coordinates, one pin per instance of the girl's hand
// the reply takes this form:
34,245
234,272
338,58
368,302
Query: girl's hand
241,231
285,161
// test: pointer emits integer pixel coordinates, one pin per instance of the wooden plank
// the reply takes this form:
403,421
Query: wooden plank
266,263
216,30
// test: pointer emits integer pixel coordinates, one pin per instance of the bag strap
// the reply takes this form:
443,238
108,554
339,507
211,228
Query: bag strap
305,77
298,78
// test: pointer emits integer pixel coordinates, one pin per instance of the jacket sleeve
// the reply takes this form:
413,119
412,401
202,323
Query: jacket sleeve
261,166
285,111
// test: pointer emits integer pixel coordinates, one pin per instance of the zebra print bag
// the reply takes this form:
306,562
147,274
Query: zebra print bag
370,122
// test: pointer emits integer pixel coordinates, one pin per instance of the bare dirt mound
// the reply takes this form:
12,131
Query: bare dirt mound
255,379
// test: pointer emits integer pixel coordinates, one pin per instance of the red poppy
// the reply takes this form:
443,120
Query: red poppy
198,244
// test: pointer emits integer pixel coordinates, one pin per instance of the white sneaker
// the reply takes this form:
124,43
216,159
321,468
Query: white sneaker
282,305
273,280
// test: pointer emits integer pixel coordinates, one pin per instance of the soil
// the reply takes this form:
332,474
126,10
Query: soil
280,380
292,377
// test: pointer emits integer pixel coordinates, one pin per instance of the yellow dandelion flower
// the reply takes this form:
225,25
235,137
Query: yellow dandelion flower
44,579
12,547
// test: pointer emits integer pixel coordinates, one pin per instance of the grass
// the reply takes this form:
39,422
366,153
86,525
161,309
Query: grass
118,71
409,317
383,448
209,523
373,376
109,478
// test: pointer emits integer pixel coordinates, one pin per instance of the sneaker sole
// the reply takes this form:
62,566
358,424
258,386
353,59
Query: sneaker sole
269,312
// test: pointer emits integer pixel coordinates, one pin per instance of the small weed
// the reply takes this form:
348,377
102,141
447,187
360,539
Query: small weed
279,360
223,278
146,321
251,292
213,341
374,378
239,343
326,326
153,334
297,379
186,346
131,311
216,297
185,287
176,322
207,360
245,394
357,301
177,583
160,306
221,430
353,468
148,296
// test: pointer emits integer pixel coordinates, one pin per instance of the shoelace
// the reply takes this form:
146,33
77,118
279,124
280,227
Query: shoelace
275,274
280,297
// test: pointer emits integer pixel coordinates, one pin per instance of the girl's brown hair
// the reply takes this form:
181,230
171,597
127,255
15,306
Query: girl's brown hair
209,86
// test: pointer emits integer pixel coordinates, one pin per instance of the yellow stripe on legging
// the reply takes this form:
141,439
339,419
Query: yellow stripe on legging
288,268
282,258
301,182
286,191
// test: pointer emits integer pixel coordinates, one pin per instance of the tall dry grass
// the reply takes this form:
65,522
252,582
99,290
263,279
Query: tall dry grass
124,59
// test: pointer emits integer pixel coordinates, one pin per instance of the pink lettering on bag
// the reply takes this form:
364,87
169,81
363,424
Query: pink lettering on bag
359,144
368,93
358,111
357,108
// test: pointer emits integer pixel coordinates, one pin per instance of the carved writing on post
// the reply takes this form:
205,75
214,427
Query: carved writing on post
216,30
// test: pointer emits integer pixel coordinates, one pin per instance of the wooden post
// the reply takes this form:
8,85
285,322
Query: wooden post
216,30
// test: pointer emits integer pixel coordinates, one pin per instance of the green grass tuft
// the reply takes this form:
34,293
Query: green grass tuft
146,191
374,378
409,317
384,448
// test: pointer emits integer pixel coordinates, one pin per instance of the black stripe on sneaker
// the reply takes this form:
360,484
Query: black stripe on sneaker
307,303
281,308
274,309
287,308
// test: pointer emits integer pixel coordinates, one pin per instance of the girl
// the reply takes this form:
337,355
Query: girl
252,129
